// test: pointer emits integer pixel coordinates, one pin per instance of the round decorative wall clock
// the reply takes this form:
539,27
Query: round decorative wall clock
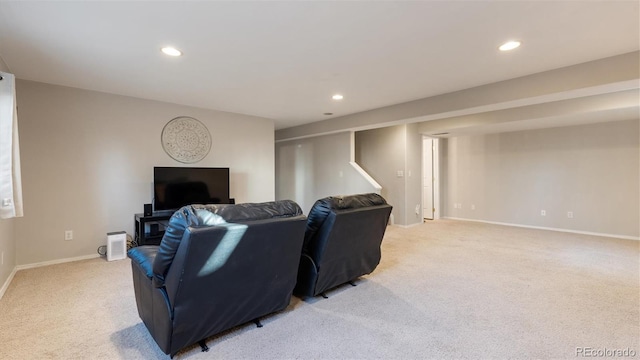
186,139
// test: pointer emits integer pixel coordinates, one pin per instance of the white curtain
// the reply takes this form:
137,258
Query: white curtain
10,182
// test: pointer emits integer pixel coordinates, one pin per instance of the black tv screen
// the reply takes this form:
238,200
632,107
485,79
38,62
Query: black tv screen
175,187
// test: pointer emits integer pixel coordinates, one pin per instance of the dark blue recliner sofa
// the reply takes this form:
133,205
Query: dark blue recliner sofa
218,266
341,242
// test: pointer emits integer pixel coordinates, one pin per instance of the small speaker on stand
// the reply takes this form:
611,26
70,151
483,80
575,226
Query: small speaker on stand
147,210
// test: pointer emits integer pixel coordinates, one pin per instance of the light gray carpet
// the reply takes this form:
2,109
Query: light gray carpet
444,290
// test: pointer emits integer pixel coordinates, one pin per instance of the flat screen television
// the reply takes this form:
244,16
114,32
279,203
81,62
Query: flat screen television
175,187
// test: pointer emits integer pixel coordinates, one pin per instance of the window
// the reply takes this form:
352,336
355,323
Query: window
10,182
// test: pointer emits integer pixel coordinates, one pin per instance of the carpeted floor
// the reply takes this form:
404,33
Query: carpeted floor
444,290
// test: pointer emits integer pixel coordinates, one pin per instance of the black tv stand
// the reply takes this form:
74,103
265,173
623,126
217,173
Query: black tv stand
149,230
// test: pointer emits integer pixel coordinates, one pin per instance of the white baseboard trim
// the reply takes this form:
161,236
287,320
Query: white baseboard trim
6,283
58,261
626,237
407,226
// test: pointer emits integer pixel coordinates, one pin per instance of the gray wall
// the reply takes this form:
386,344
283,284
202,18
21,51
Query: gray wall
312,168
566,93
591,170
7,235
8,248
383,153
88,158
413,180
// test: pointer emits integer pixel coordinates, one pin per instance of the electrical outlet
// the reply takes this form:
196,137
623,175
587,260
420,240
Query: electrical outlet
473,207
543,213
418,209
570,214
68,235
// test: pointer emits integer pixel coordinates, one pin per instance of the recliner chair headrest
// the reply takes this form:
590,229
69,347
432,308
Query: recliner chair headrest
248,211
211,215
354,201
321,209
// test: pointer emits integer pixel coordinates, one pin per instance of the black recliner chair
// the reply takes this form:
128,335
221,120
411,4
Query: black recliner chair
342,241
218,266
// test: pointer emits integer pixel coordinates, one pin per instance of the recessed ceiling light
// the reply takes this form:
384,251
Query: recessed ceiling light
509,45
337,97
171,51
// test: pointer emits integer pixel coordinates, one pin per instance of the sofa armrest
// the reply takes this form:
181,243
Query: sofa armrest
307,277
152,302
143,257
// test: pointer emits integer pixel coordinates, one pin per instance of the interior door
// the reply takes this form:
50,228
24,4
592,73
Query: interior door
427,178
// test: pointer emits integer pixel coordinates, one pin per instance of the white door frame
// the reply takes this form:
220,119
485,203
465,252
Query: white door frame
436,176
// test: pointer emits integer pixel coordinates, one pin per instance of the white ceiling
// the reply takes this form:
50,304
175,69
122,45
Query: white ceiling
283,60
